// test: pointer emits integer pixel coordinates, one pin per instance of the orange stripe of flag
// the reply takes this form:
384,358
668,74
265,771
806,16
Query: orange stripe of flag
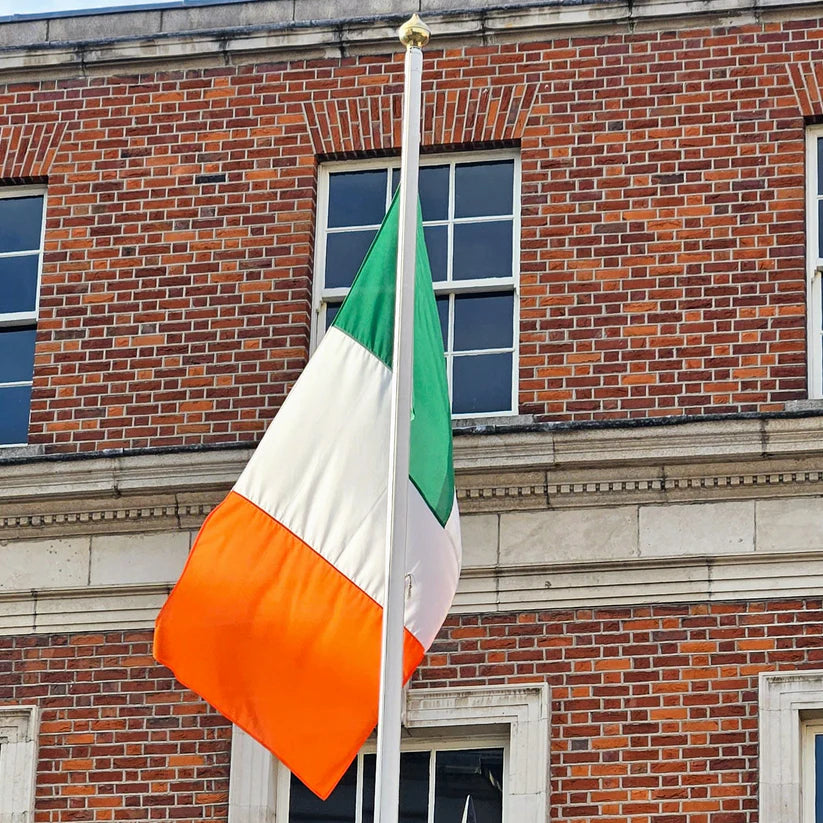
278,640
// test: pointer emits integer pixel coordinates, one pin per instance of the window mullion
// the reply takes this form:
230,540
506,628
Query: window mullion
358,800
450,353
432,787
450,223
484,218
21,253
13,384
814,314
487,285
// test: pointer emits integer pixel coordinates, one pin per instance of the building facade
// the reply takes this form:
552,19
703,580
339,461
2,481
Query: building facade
621,203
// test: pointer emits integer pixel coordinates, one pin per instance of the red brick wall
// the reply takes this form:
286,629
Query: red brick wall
120,739
654,711
662,225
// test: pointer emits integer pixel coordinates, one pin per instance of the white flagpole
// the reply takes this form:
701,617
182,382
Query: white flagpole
413,34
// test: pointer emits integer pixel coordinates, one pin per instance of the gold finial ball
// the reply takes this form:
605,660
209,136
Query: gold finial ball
414,33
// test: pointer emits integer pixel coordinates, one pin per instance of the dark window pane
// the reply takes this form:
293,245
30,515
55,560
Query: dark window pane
18,283
477,774
437,245
820,165
434,192
483,188
482,250
483,321
414,787
820,228
21,223
345,253
369,765
331,313
16,354
305,807
443,313
14,414
818,778
482,383
357,198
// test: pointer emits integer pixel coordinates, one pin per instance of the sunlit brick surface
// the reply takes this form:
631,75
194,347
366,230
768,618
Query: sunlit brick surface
653,714
662,224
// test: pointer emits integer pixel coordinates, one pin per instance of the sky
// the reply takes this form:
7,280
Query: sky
9,7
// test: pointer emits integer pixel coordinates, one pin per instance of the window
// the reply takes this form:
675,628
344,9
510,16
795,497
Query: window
812,764
21,253
18,757
437,785
791,746
814,259
490,743
470,205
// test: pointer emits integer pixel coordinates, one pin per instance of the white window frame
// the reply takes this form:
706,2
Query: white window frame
460,740
18,761
515,718
810,730
24,318
814,270
320,295
788,701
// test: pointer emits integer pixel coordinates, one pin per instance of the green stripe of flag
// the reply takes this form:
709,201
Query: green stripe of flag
367,315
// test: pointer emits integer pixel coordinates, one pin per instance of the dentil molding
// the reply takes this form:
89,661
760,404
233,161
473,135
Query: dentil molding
553,468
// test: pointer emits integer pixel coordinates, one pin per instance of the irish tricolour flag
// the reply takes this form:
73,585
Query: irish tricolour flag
276,619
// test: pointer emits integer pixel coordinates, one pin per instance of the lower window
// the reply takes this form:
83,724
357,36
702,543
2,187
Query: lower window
442,785
791,747
18,759
472,755
812,764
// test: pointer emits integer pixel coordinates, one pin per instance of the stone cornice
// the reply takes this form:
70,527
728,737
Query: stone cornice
122,475
625,445
556,518
556,468
64,46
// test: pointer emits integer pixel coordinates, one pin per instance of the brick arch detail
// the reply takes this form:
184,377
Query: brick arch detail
807,81
28,151
354,126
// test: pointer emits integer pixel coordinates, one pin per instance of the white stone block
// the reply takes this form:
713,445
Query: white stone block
568,535
697,528
128,559
479,533
789,524
39,564
259,13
